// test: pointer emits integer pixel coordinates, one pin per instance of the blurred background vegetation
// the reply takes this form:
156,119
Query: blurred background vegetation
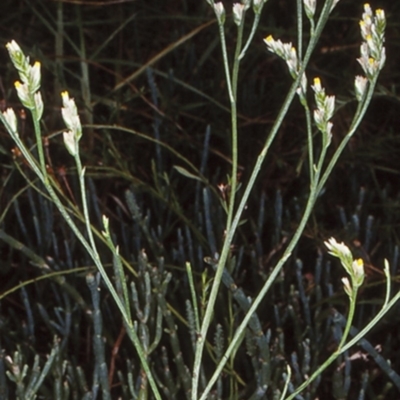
155,69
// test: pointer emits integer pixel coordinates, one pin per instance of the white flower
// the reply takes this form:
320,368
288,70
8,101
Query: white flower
338,248
324,111
329,106
360,86
286,51
355,268
380,19
70,143
341,251
238,13
70,115
319,117
34,77
309,8
373,53
246,3
37,98
317,87
358,272
24,94
370,66
282,50
328,133
13,47
219,12
347,287
21,63
11,119
258,5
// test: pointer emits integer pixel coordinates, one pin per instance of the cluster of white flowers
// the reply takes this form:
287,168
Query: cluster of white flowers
238,9
373,54
28,88
324,111
354,267
72,121
29,94
372,61
288,53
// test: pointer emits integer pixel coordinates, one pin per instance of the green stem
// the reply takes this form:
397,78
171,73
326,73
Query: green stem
335,354
193,294
310,143
299,6
361,110
314,192
92,252
232,90
82,185
373,322
39,142
95,257
288,251
235,77
278,122
251,36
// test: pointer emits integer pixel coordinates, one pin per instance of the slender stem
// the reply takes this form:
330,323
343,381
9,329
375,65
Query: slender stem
299,7
226,62
361,110
92,252
235,77
232,90
21,146
96,258
251,36
193,294
287,382
310,143
82,185
314,192
372,323
288,251
316,188
39,142
279,120
352,309
335,354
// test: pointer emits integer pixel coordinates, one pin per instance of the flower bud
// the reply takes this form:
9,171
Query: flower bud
238,13
309,8
70,143
360,86
11,119
219,12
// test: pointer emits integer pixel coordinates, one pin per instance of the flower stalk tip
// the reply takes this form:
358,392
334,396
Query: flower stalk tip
219,11
309,8
373,53
11,119
354,267
288,53
324,111
72,121
258,5
238,12
70,115
30,78
360,87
